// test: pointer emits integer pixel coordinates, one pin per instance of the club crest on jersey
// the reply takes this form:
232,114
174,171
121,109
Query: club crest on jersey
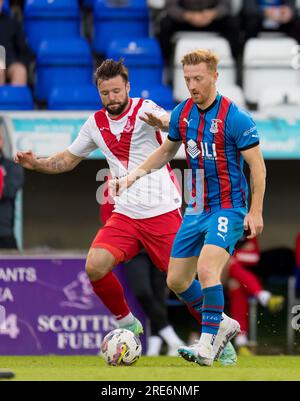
192,149
128,126
214,129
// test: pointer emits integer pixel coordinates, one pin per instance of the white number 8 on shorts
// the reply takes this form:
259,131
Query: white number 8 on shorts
223,224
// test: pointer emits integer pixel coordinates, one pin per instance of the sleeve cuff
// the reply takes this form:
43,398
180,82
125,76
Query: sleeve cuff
173,139
252,145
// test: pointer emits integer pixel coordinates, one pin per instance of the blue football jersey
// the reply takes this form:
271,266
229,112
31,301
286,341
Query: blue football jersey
213,140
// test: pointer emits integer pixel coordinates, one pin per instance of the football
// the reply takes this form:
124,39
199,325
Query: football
121,347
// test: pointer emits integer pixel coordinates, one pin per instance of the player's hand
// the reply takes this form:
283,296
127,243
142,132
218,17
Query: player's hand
208,16
26,159
253,224
117,186
153,121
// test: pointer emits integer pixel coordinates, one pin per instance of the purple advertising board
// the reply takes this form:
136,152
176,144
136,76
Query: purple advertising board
47,306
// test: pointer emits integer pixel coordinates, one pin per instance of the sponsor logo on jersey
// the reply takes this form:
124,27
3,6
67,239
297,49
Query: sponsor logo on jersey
250,131
192,149
187,121
208,151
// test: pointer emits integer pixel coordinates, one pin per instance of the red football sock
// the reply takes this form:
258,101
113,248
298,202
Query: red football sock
246,279
195,314
110,291
239,309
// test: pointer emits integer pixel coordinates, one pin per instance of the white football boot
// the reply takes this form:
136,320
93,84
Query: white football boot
198,353
229,328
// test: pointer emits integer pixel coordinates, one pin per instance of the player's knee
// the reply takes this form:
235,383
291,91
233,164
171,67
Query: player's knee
177,284
97,265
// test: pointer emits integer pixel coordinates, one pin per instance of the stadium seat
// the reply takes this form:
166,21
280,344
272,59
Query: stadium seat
156,4
6,7
15,98
113,19
62,62
160,94
83,97
193,35
201,40
278,96
142,57
280,102
234,93
267,64
45,19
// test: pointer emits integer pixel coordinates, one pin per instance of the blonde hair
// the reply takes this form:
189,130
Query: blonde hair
201,56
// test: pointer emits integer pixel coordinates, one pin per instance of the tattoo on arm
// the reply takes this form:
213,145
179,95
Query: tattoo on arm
55,164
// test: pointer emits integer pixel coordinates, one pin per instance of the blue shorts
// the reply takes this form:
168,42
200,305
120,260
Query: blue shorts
222,228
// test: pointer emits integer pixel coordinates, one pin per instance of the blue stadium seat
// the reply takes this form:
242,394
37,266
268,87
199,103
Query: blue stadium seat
45,19
5,7
160,94
142,57
83,97
62,62
114,18
15,98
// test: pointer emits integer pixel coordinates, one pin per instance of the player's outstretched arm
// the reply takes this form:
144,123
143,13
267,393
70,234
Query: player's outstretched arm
162,122
159,158
254,221
56,164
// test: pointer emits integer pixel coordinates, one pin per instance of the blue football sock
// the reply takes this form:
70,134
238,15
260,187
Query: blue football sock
193,298
212,309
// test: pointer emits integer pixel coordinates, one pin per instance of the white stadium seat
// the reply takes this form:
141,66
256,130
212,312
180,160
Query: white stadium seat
278,96
156,4
160,4
280,102
234,93
193,41
193,35
267,64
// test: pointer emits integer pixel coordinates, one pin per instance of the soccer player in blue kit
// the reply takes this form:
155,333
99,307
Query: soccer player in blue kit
218,136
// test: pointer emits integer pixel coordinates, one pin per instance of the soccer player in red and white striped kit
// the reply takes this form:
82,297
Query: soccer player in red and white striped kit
146,216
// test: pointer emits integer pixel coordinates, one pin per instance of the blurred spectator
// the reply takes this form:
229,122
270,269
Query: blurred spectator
18,54
242,284
148,284
13,178
198,15
275,15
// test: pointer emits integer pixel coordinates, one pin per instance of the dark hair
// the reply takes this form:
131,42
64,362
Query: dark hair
111,69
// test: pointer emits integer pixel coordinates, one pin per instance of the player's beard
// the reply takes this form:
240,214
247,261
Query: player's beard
118,110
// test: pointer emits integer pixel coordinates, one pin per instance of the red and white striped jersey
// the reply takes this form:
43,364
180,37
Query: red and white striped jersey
126,142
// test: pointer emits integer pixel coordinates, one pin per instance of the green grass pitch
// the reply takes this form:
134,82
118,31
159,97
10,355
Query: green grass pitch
80,368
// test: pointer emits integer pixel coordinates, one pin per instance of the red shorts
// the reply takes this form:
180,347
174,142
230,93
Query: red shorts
124,237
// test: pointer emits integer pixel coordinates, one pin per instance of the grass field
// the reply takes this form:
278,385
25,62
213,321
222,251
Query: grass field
81,368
